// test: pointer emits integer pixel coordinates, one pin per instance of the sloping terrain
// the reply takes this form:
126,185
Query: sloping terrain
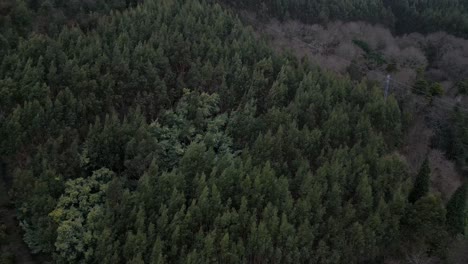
332,47
169,132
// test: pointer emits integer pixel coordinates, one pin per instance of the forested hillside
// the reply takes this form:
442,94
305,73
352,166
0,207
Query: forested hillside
168,133
404,16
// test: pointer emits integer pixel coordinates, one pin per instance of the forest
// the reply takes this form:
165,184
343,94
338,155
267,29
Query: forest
403,16
166,131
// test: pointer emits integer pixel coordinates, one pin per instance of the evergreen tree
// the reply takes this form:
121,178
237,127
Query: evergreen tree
217,148
421,183
457,211
425,223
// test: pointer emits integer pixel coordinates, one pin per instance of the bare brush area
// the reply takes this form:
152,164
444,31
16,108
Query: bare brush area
445,178
333,47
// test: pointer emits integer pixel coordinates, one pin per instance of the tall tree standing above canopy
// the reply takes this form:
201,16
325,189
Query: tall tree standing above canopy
422,183
457,211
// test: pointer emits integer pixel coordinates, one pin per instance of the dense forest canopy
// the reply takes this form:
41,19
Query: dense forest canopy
168,133
403,16
19,17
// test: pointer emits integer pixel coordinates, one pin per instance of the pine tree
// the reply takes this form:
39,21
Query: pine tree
157,253
421,184
421,86
191,184
425,222
457,211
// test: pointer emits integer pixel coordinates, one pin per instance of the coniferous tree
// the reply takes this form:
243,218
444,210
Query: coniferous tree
421,183
425,223
220,149
457,210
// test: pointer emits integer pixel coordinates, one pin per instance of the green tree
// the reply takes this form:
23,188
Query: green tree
421,183
76,215
221,149
421,85
425,223
436,89
457,210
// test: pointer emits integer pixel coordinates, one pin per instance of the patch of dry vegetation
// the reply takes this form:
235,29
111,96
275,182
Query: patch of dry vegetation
444,57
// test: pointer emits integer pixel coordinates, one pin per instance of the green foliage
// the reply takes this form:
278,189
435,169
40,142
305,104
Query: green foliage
422,183
452,137
371,55
421,86
404,16
457,209
363,45
426,88
7,258
216,149
77,214
3,234
425,223
463,87
19,18
436,89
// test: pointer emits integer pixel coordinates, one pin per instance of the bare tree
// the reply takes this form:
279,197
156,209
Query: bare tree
419,257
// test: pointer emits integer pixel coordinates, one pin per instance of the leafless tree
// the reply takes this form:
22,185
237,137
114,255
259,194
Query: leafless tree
419,257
